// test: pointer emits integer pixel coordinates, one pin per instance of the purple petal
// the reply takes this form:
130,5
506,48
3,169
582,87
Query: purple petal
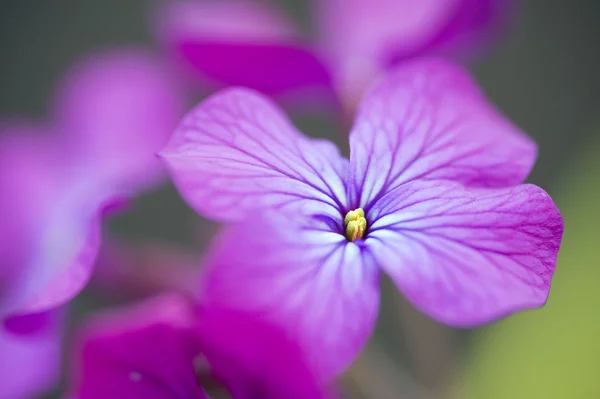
51,235
255,359
364,37
466,256
304,278
118,109
358,35
114,112
237,153
473,26
23,163
429,120
30,365
243,43
146,351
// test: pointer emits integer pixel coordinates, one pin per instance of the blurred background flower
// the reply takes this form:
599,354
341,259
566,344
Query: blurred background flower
167,346
95,150
542,72
253,43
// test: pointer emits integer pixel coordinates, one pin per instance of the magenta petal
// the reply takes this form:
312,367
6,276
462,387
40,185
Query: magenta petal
146,351
353,28
30,364
359,36
25,163
68,268
113,113
226,20
365,37
473,26
428,120
237,152
52,231
118,109
243,43
254,359
466,256
312,283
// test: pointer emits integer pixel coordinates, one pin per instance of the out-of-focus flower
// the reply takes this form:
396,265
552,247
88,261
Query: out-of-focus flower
252,44
431,195
113,112
360,38
164,348
244,43
30,364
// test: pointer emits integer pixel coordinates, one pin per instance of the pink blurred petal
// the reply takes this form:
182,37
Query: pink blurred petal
237,152
245,43
30,364
62,267
113,112
162,348
294,273
467,256
51,227
145,351
357,35
428,120
118,109
364,37
473,27
254,359
25,161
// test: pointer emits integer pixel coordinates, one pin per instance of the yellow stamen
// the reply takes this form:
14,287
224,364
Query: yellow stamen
355,224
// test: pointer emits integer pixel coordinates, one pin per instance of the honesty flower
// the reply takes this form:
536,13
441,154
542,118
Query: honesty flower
253,44
431,196
163,348
112,113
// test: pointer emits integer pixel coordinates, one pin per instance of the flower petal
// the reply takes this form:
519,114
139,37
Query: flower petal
351,28
309,281
118,109
30,364
54,221
146,351
360,35
473,26
466,256
114,112
254,358
365,37
243,43
236,153
428,120
22,163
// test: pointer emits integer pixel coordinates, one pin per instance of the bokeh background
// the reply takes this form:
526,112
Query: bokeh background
544,74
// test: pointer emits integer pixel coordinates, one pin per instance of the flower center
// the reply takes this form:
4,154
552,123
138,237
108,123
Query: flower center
355,224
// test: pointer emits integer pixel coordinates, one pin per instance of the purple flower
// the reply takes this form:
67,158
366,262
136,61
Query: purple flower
112,113
431,196
163,348
252,44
